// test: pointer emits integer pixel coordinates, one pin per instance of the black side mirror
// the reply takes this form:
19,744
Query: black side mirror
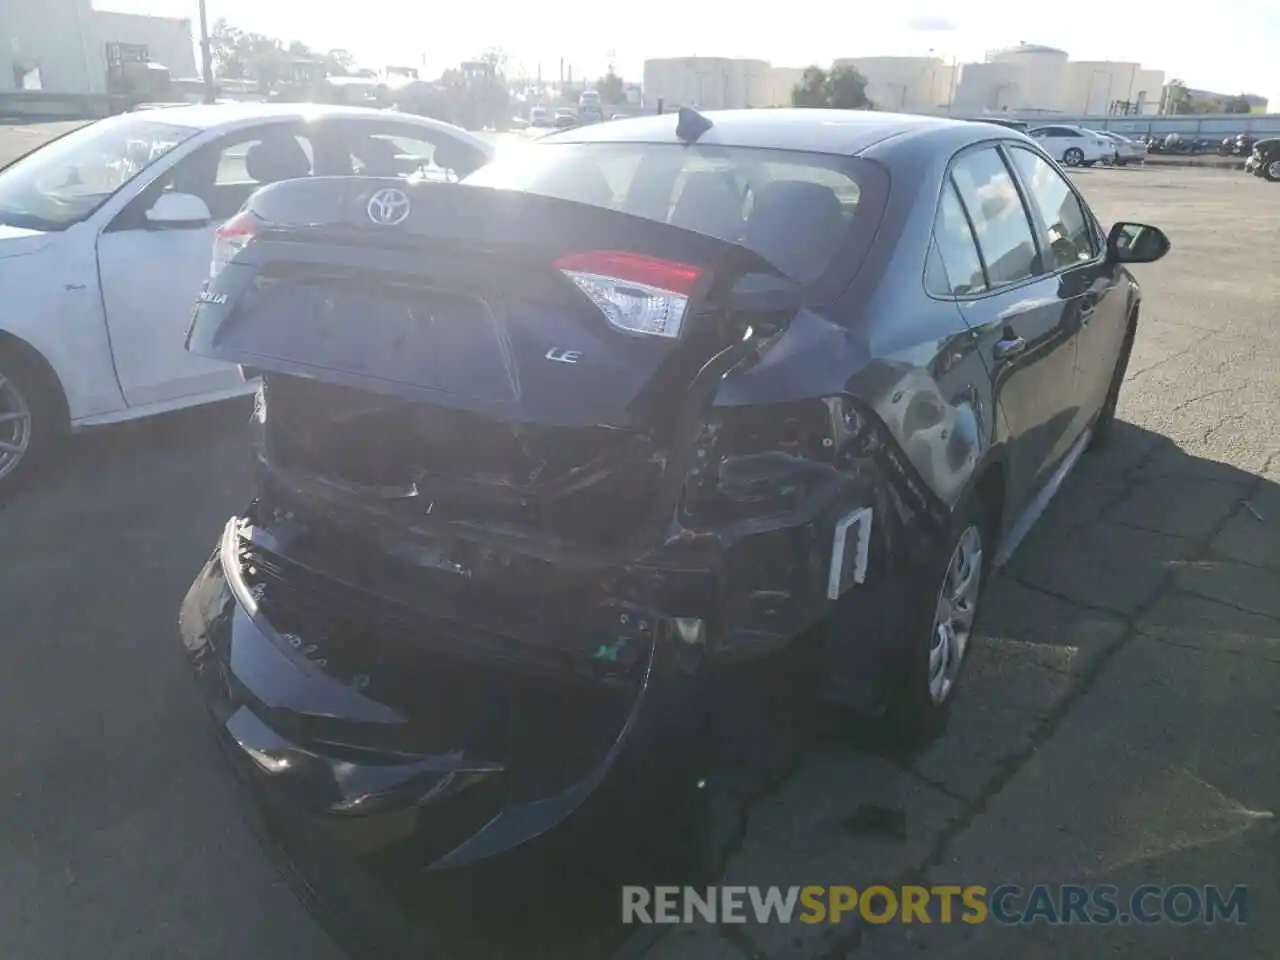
1136,243
765,296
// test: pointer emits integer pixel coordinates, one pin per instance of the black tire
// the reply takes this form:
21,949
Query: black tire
916,712
1073,157
1271,171
1104,425
26,392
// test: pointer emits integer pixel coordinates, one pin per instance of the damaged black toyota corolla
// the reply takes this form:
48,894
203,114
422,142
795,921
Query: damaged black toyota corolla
539,451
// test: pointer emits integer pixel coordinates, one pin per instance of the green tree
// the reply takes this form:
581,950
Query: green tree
226,46
611,89
842,88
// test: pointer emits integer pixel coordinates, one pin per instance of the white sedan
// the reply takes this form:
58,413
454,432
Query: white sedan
106,235
1072,146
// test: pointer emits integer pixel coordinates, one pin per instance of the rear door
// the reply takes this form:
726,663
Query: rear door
1028,337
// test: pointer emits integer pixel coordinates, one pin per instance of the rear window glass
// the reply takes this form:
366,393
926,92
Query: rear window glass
794,209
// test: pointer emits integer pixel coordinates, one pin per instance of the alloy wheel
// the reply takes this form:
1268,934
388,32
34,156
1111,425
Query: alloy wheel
1073,157
15,426
955,613
1273,170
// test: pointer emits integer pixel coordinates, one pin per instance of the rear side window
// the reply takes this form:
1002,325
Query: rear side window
794,209
1068,238
955,268
1000,221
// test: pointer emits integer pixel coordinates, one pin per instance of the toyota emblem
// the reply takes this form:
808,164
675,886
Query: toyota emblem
389,207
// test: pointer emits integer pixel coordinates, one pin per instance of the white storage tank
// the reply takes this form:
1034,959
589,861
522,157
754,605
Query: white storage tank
1042,73
1093,86
708,83
901,83
990,87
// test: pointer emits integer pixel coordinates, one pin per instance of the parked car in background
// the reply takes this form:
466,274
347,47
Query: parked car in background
105,235
542,457
565,118
1019,125
1072,146
590,109
540,117
1126,151
1265,160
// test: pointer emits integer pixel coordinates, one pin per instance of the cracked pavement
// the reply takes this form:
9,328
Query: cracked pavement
1117,721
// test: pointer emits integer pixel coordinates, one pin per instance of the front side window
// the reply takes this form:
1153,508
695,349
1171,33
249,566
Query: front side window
1000,221
1068,237
67,180
794,209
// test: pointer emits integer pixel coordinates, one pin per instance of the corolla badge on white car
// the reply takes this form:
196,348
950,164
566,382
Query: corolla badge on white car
105,241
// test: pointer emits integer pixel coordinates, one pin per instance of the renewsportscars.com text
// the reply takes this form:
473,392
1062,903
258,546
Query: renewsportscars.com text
1007,904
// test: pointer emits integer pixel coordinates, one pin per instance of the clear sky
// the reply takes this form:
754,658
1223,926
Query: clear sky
1230,46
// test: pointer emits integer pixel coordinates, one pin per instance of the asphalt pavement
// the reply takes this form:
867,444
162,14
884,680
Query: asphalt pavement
1117,722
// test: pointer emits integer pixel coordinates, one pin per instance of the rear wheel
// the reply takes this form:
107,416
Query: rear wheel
945,610
1272,171
1073,157
30,420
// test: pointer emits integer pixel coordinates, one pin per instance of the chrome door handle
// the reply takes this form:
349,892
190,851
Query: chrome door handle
1010,347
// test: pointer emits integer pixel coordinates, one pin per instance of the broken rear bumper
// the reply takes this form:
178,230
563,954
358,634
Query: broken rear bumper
340,766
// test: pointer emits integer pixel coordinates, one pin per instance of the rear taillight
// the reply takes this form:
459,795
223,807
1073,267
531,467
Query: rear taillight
637,294
232,237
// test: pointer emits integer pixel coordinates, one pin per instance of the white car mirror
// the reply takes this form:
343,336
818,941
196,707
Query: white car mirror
179,210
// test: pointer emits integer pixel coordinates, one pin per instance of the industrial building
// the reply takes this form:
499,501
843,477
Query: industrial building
904,83
782,81
60,45
1035,77
708,83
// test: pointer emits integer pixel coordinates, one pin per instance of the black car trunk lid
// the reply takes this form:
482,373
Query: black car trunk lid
494,357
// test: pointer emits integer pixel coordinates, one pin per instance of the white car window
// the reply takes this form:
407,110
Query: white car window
68,179
388,155
269,156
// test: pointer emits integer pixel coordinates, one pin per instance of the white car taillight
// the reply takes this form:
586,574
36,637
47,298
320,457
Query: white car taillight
232,237
636,293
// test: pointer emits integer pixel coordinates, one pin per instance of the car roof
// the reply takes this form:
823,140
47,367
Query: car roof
208,117
839,132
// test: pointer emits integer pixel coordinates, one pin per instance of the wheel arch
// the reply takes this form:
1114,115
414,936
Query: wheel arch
989,486
37,363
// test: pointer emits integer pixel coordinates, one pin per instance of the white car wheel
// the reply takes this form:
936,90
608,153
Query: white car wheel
30,421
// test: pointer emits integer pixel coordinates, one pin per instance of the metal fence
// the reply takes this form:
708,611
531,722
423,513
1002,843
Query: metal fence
1209,126
35,106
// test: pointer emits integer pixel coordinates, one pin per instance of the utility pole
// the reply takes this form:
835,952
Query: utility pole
206,56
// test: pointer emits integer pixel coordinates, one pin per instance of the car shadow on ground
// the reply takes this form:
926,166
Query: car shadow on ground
1146,544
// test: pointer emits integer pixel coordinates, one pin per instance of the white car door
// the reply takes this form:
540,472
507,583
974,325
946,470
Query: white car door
152,272
1059,142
